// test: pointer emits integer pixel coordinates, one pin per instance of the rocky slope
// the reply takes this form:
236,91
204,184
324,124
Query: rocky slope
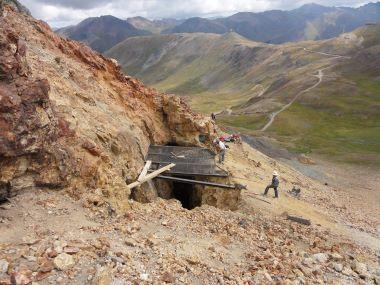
70,118
50,238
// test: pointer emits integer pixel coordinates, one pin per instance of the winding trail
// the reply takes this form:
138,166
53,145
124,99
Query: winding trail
327,54
320,79
274,115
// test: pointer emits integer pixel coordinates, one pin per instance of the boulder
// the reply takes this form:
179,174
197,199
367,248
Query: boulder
336,257
64,262
21,277
3,266
360,268
167,277
338,267
262,277
348,271
321,257
103,276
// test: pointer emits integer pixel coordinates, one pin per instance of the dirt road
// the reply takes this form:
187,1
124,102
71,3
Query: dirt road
320,79
274,115
327,54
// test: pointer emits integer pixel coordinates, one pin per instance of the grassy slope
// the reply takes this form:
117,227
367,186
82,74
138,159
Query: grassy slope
205,67
340,118
343,124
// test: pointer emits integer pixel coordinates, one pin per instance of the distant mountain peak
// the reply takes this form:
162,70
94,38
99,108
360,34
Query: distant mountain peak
102,33
314,8
312,5
139,18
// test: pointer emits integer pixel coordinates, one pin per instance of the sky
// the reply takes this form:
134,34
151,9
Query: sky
60,13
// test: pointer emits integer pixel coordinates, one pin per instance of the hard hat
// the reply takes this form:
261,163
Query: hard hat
275,173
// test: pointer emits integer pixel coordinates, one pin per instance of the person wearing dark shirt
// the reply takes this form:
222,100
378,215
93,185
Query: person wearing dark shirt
275,183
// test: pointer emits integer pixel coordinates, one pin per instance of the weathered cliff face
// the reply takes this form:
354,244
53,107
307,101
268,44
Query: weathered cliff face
70,118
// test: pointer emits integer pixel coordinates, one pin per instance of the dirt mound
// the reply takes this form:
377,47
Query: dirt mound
70,118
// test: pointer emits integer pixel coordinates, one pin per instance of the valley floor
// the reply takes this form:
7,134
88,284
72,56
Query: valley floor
50,238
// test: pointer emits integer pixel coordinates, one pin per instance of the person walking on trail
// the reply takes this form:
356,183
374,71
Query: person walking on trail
222,151
275,183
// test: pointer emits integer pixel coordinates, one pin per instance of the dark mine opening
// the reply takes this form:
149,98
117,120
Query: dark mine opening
186,194
188,175
172,143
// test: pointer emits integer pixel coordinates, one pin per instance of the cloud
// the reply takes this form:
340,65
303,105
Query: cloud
75,4
66,12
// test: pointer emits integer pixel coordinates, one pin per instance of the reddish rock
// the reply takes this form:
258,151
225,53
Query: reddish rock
28,126
51,253
47,266
42,275
71,250
5,280
167,277
22,277
91,147
44,126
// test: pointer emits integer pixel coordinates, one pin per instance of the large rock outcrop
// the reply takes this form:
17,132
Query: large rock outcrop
70,119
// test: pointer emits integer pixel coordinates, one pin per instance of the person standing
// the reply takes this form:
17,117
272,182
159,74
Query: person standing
275,183
222,151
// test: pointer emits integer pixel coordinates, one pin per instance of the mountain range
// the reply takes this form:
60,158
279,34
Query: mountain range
307,78
309,22
102,33
324,94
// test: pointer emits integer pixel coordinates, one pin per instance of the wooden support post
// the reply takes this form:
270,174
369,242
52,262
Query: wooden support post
145,170
151,176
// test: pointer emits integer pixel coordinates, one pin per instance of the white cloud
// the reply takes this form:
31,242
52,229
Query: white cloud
66,12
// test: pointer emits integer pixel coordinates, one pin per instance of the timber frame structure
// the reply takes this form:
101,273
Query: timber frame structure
189,161
187,174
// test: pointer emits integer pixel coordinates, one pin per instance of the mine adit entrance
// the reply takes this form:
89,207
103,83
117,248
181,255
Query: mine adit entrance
194,169
186,194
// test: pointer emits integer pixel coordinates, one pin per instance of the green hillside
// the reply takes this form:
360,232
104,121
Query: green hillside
339,117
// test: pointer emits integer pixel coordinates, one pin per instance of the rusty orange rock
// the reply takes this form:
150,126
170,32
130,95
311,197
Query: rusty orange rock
70,118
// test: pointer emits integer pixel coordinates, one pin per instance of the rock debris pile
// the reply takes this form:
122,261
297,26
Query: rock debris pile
162,242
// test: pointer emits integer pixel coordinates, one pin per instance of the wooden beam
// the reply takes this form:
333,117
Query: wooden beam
145,170
299,220
151,176
190,181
